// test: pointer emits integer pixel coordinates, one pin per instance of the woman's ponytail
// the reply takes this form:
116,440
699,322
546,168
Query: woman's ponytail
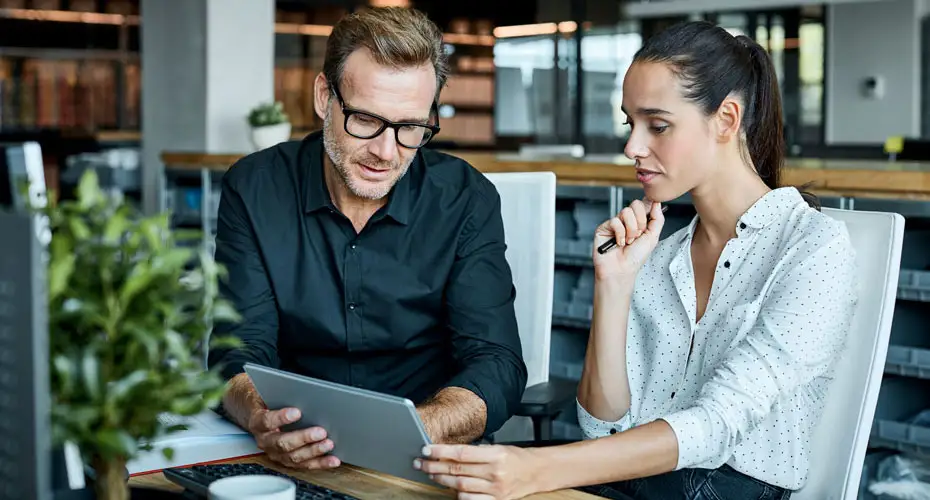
765,127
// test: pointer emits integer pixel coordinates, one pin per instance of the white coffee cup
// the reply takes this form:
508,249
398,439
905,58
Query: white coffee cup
253,487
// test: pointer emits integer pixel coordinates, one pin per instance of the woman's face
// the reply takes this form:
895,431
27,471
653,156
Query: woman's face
672,141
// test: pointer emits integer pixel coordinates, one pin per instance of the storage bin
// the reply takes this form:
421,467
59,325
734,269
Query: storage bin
914,285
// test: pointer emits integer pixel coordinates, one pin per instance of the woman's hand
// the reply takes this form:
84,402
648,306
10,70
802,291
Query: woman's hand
636,238
487,472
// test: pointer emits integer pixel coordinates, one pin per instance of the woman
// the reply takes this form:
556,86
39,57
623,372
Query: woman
710,352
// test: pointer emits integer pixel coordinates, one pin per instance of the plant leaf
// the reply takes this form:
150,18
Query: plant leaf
115,228
88,191
168,453
139,278
90,371
64,368
120,388
117,442
224,311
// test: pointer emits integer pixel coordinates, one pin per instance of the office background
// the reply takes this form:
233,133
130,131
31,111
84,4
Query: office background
114,84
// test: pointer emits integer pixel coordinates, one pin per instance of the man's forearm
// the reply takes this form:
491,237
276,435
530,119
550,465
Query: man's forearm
454,416
241,400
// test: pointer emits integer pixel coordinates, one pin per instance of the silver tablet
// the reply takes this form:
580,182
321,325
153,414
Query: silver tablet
368,429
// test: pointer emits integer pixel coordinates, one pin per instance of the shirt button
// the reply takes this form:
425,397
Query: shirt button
673,395
351,306
742,225
726,264
352,246
613,431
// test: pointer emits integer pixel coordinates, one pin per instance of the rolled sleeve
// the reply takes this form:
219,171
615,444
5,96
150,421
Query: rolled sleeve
799,335
246,286
593,427
481,318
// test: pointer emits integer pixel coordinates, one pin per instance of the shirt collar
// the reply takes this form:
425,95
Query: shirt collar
768,208
316,196
762,213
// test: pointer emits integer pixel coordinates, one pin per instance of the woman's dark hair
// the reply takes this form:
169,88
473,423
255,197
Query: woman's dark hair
712,64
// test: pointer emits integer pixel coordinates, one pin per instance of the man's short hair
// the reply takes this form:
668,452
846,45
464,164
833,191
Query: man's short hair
397,37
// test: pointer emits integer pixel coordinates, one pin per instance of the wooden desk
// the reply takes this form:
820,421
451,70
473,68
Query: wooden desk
852,178
361,483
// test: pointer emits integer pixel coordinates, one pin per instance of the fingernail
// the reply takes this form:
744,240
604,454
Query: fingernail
293,414
425,451
316,434
416,464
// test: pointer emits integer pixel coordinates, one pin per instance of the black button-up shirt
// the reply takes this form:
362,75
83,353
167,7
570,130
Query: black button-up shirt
421,299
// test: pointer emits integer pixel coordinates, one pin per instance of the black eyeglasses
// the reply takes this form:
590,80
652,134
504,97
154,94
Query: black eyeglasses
365,125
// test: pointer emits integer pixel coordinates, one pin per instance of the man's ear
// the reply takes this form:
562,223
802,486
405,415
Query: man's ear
728,119
321,95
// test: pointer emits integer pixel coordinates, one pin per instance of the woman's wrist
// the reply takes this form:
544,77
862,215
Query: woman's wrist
615,283
543,479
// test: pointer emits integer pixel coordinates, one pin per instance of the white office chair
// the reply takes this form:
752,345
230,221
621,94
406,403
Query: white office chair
840,439
528,212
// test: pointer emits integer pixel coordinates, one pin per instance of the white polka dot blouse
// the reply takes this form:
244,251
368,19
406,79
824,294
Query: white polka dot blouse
780,307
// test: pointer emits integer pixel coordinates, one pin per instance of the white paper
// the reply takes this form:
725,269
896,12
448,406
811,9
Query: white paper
205,424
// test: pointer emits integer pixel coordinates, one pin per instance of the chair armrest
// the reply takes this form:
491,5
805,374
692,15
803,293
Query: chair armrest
548,398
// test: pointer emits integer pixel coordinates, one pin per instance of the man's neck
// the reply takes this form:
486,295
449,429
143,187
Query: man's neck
358,210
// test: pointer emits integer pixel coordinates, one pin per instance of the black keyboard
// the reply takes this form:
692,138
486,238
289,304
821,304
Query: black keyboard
197,480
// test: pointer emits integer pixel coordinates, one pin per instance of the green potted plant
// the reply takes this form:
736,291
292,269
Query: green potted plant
130,309
270,125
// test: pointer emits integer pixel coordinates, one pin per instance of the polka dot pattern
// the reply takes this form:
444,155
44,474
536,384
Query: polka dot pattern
745,385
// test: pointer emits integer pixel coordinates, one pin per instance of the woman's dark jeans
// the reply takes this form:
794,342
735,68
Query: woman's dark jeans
724,483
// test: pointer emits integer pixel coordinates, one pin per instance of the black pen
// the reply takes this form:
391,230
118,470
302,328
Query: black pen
607,245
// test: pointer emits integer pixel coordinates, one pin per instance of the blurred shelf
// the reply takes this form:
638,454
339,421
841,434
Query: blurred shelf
914,285
573,252
571,315
908,361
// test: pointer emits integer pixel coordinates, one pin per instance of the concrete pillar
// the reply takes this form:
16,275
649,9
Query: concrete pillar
205,64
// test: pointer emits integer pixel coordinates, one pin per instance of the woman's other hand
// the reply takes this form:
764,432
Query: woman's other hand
486,472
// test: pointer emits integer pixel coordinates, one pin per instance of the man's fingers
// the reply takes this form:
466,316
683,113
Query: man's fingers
311,451
327,462
273,419
288,442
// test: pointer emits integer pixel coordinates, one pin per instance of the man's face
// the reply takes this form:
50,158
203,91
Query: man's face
371,167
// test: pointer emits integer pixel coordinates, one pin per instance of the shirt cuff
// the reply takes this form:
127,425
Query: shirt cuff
593,427
696,444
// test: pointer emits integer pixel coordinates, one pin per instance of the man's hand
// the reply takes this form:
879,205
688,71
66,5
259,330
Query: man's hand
302,449
488,472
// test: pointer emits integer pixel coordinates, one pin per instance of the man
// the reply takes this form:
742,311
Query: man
357,257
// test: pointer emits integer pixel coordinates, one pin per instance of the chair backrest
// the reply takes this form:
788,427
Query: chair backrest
528,211
841,437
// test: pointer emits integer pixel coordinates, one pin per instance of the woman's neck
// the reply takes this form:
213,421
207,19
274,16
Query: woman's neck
721,202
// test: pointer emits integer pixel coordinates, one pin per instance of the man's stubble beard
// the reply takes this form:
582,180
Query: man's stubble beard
340,160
